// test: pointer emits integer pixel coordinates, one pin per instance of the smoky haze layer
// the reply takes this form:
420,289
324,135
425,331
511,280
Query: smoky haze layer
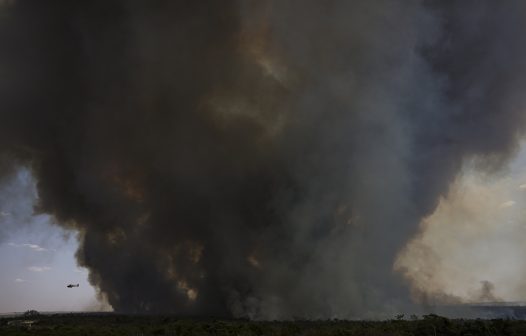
263,159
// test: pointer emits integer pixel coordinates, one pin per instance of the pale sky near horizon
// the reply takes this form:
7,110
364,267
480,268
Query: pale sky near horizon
472,247
36,257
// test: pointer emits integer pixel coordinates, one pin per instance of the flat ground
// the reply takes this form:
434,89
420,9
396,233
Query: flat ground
134,325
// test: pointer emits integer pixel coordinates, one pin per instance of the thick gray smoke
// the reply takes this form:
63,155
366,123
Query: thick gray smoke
254,158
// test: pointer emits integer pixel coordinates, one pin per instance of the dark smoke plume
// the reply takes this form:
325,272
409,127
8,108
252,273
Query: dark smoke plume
254,158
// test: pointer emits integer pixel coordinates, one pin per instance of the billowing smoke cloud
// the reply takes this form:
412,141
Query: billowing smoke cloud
262,159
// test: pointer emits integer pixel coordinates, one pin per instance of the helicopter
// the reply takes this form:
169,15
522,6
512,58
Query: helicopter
72,285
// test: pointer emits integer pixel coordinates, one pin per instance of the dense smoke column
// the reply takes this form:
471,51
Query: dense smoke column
253,159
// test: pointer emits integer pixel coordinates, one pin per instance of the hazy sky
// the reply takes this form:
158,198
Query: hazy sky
472,247
37,258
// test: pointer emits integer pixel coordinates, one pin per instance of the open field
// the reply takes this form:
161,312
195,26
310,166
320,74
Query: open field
114,324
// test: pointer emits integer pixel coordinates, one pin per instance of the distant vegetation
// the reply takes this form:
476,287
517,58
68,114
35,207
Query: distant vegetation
114,325
31,314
